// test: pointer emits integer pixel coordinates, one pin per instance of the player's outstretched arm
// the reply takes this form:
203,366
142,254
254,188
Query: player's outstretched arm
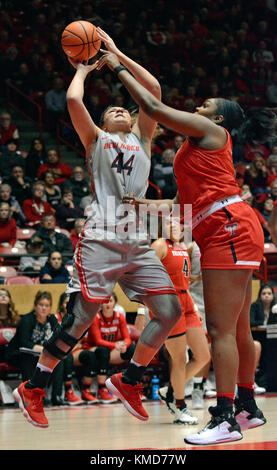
140,73
80,117
190,124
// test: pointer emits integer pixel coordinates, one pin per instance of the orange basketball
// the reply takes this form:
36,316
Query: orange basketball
80,40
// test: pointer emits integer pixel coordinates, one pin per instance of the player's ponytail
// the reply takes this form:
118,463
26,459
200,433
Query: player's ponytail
232,113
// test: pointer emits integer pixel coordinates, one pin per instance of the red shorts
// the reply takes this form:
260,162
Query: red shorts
230,238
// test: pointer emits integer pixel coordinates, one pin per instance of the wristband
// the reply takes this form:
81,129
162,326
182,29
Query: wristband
119,68
141,311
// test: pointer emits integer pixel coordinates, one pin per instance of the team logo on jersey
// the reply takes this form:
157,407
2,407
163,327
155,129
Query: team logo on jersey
231,228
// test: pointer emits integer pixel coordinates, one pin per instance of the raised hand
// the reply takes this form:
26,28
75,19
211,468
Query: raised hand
86,67
107,40
108,58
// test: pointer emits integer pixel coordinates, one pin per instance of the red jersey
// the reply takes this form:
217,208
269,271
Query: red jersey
204,176
107,331
177,264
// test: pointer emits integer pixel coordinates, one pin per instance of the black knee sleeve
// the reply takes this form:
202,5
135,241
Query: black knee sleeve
103,359
127,356
89,363
60,333
68,365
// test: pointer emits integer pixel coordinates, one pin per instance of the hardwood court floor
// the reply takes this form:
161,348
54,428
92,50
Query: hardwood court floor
111,427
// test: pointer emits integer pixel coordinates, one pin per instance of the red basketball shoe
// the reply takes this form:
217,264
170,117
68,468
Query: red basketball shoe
130,395
30,402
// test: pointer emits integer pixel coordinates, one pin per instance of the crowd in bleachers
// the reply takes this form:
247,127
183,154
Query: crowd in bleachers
195,48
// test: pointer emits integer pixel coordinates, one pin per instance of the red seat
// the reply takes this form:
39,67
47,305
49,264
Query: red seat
18,280
7,271
24,233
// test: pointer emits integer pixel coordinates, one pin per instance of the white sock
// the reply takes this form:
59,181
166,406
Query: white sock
197,380
44,368
136,363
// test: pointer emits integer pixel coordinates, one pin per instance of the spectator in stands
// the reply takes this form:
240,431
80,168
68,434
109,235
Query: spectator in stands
68,211
163,174
75,232
53,240
36,157
33,330
36,207
62,171
10,158
271,92
8,314
31,264
257,174
264,52
86,201
178,142
53,193
7,226
62,306
78,184
8,130
273,190
55,101
25,80
20,184
16,211
267,208
272,167
54,271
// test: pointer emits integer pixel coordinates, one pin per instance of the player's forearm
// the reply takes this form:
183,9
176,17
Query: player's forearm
145,78
76,87
146,100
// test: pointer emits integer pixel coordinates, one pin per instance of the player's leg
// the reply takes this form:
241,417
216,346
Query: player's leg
197,342
176,348
247,413
80,315
225,293
167,310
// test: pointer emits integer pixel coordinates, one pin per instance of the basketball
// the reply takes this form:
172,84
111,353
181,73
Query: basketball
80,40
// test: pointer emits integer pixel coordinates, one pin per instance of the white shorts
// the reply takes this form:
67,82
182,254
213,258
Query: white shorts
100,263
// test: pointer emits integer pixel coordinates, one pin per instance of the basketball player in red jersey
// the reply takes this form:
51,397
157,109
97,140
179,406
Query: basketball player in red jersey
188,330
231,243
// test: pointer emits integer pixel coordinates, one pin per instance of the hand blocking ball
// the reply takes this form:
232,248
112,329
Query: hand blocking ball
80,41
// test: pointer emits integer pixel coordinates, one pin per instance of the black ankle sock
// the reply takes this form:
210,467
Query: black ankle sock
181,404
40,379
245,393
133,374
225,402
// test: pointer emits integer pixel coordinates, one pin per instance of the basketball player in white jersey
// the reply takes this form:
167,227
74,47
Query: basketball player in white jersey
118,159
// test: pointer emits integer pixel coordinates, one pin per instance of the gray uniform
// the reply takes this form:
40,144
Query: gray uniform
114,246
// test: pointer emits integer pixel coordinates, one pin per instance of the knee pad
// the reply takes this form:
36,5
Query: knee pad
89,363
127,356
72,328
103,359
